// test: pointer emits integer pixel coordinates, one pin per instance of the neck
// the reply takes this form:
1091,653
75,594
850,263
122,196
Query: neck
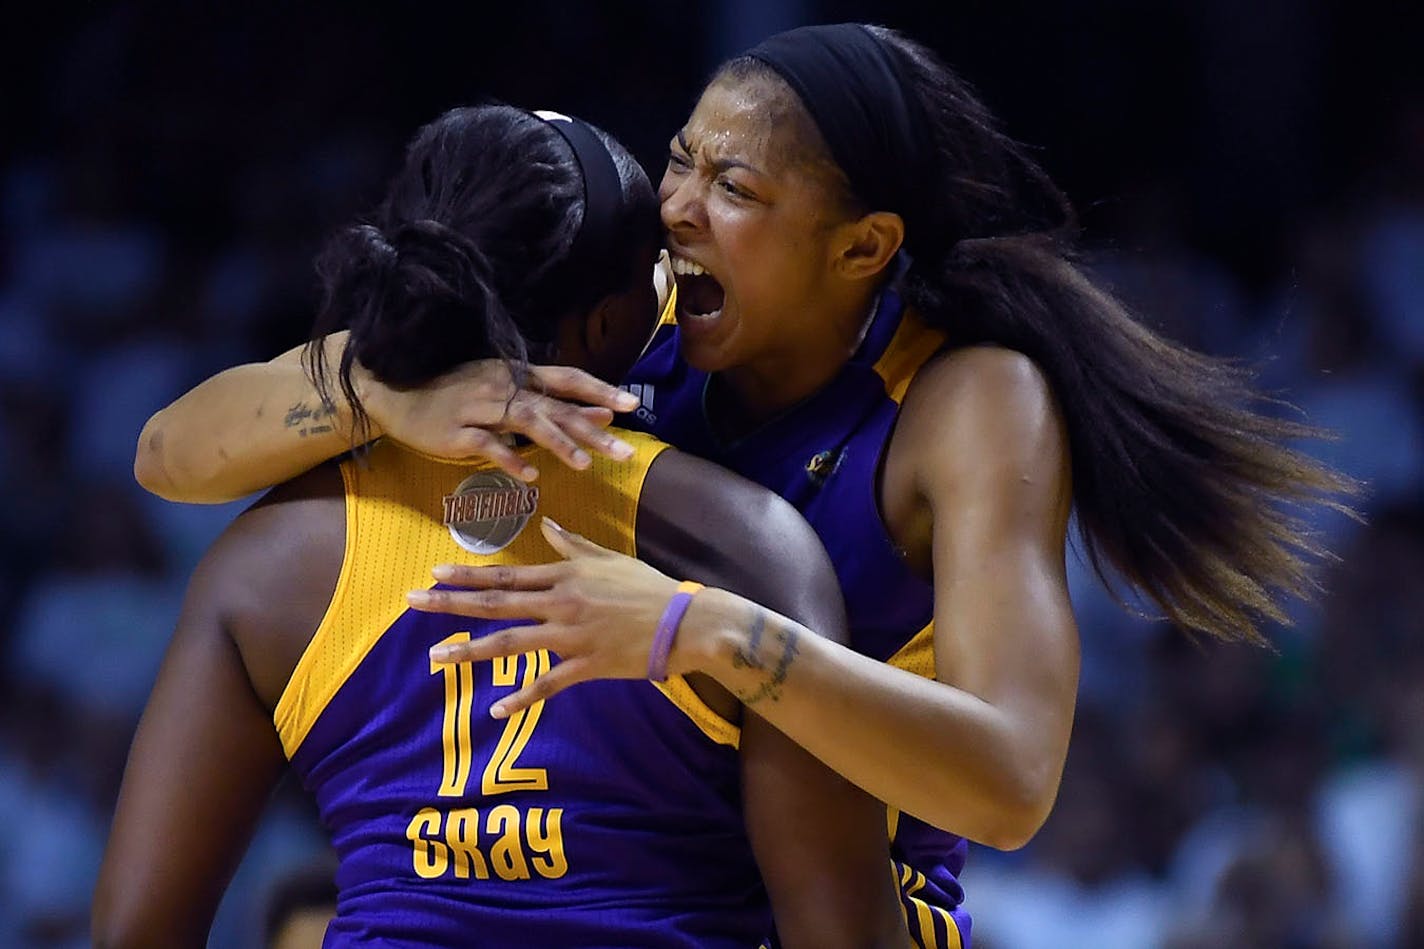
746,396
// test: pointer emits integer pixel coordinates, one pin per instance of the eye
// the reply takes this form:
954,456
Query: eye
678,161
730,187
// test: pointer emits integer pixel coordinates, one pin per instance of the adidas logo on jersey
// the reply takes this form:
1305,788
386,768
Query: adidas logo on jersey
644,392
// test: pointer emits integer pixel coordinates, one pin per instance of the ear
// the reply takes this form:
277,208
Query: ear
866,245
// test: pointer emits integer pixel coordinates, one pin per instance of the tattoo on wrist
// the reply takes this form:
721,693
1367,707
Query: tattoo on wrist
750,656
309,421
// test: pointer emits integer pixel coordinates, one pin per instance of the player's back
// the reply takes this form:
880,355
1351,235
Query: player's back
610,816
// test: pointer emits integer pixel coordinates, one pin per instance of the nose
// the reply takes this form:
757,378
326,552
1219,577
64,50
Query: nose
684,203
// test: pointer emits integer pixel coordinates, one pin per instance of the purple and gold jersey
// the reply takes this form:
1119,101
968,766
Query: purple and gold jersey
823,456
610,817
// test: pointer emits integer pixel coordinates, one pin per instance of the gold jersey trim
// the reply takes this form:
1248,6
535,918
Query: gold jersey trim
303,699
395,534
917,655
680,693
910,348
668,317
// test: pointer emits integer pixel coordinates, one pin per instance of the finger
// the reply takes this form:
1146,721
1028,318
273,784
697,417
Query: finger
567,542
526,416
566,673
566,382
483,604
513,641
529,577
478,443
595,415
592,435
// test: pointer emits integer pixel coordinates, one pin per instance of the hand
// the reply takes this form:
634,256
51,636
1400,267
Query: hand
461,414
596,609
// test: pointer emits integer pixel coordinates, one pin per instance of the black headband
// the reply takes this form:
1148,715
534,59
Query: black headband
865,107
596,261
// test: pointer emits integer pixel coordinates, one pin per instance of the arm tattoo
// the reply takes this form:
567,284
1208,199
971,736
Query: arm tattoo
750,657
306,419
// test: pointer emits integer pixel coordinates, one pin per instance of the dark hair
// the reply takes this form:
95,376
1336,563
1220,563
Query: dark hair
461,260
1182,476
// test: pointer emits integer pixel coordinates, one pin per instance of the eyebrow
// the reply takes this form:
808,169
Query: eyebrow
721,164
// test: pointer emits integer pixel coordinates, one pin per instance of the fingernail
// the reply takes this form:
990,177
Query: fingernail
555,525
529,473
621,450
627,401
418,597
581,459
442,653
442,571
497,710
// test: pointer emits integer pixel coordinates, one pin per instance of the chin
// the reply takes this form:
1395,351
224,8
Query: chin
704,356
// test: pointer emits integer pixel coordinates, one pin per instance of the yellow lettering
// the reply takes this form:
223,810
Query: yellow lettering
504,669
506,853
429,856
546,841
462,833
501,774
455,735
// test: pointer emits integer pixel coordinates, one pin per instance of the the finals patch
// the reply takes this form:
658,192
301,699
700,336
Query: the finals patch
488,510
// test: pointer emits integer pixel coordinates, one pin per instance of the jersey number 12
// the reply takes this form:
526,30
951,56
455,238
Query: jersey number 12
501,774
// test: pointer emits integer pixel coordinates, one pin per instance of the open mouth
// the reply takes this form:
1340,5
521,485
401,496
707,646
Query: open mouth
699,295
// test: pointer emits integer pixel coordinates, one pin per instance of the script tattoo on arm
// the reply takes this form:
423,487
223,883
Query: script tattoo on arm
751,655
309,421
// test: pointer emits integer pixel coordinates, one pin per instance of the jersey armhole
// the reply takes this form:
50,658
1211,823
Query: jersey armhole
300,703
676,689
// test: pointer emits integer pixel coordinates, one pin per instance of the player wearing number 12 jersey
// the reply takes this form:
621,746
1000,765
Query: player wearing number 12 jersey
631,814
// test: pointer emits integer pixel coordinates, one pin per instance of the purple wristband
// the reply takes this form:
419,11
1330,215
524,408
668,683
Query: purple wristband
667,630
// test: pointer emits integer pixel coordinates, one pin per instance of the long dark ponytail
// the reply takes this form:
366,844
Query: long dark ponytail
461,260
1183,478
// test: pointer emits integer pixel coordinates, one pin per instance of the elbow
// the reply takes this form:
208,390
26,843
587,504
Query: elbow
1019,811
154,469
149,469
1011,831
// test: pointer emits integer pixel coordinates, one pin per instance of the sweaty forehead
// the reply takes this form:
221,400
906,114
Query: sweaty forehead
758,121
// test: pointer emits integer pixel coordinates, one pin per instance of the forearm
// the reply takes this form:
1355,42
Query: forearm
931,750
247,428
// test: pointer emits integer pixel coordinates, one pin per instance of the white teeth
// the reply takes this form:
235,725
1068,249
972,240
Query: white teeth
685,267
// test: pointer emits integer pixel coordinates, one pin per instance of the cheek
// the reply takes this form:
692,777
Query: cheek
666,186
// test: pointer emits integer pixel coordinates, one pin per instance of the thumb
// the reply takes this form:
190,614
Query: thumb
567,543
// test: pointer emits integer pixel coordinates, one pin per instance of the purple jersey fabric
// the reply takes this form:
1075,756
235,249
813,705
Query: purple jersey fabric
652,850
823,455
607,819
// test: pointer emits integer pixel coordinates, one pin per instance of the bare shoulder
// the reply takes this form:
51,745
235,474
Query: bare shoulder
974,380
271,575
982,407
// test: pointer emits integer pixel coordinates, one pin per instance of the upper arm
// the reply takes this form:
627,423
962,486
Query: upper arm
203,761
700,521
820,842
990,453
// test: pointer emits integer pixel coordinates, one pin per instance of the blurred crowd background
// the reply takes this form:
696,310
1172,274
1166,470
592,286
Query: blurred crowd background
1251,179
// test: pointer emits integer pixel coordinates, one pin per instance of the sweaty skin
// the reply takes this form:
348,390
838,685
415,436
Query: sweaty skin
206,754
979,749
975,489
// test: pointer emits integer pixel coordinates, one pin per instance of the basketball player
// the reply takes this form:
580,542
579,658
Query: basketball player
878,316
649,813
